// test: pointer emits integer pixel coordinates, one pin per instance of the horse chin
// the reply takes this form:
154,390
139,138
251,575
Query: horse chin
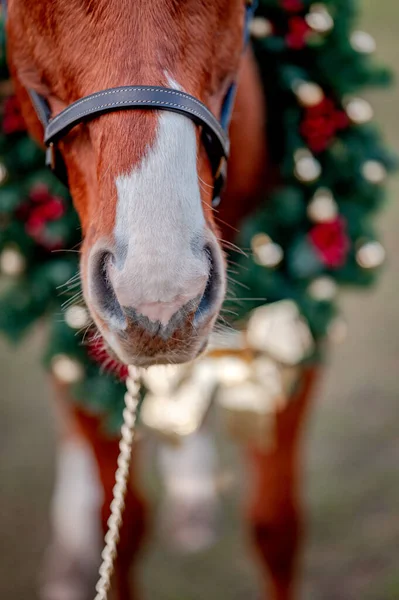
130,353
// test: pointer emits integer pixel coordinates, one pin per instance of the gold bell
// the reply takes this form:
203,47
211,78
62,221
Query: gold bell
248,413
163,379
176,413
279,330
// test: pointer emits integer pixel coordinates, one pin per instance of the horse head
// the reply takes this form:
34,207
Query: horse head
152,267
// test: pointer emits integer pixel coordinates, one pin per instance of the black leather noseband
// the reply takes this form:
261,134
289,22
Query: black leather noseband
215,139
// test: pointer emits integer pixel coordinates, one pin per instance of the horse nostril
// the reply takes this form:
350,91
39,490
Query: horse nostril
210,293
103,290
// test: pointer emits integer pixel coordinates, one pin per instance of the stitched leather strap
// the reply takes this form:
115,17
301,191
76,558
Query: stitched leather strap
4,8
141,97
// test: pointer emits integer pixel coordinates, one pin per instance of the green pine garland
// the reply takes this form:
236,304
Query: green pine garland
329,158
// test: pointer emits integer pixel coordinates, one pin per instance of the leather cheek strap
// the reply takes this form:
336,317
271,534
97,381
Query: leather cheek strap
215,139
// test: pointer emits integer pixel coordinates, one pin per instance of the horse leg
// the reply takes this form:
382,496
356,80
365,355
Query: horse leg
274,507
86,465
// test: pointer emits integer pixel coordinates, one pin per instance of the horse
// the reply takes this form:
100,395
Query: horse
153,268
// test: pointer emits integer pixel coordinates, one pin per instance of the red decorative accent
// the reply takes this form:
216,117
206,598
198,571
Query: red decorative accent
41,208
13,120
298,31
331,242
292,5
321,123
98,352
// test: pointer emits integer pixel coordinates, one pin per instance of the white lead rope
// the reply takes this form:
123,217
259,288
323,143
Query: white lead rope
122,477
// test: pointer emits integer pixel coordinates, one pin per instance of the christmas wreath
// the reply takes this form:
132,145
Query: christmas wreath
314,233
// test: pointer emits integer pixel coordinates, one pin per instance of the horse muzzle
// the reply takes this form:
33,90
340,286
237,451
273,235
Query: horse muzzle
159,306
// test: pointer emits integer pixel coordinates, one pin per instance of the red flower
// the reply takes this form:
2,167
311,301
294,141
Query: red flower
39,193
292,5
13,120
298,31
98,352
320,124
331,242
41,208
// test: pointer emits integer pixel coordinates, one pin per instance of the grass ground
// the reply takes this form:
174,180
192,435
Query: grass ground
352,480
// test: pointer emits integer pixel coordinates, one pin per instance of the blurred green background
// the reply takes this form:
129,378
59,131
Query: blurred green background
351,483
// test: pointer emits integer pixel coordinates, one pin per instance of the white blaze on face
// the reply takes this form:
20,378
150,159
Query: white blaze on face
160,227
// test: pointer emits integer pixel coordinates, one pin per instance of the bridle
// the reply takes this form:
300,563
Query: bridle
214,132
214,137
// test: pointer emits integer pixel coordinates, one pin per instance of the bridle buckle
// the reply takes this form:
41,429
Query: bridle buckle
50,156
